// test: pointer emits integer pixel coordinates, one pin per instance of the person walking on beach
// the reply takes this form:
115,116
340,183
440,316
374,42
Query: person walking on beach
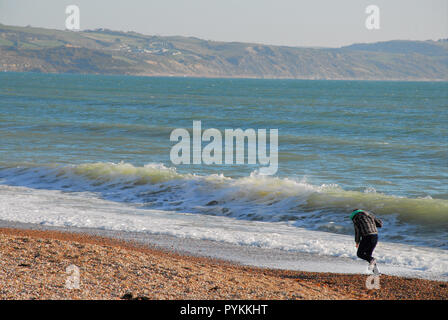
366,235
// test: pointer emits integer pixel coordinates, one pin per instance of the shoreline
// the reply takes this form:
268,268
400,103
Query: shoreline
262,257
233,253
34,262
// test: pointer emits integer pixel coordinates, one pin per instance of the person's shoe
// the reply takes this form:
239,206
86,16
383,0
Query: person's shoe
375,269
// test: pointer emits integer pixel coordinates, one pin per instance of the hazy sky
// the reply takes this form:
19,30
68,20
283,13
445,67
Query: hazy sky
327,23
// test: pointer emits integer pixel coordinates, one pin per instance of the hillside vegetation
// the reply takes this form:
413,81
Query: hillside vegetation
113,52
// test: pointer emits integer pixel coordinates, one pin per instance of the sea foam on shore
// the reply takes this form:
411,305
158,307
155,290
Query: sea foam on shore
269,244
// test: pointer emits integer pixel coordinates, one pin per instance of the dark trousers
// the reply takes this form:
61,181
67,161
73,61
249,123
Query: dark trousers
366,247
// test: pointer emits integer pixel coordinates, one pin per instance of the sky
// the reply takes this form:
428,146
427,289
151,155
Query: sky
317,23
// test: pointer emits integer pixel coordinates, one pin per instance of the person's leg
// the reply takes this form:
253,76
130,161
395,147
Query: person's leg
366,247
373,239
362,248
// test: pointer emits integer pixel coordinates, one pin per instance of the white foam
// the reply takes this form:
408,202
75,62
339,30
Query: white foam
56,208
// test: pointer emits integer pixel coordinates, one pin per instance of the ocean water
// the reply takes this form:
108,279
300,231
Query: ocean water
94,151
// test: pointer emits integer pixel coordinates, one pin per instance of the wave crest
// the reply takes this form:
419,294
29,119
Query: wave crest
125,172
254,197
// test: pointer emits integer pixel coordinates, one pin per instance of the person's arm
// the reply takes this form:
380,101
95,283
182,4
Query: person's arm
378,222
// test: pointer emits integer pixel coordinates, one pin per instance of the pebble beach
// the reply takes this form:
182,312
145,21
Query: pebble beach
34,264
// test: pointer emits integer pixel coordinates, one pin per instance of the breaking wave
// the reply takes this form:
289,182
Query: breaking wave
255,197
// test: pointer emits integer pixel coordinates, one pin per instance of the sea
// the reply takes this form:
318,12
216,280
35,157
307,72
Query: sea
93,151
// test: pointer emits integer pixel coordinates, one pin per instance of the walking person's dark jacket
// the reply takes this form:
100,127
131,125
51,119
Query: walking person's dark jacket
365,224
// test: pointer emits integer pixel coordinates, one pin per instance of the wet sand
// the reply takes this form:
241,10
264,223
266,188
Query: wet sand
33,265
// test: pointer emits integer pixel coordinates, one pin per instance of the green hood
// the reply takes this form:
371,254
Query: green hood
354,213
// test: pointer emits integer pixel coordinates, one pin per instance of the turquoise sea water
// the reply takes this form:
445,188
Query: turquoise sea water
381,146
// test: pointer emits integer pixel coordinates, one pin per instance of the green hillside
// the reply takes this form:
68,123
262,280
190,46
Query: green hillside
113,52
